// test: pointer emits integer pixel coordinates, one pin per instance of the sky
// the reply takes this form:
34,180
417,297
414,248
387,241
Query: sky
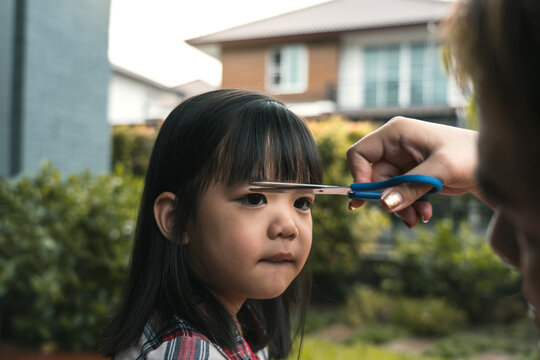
147,36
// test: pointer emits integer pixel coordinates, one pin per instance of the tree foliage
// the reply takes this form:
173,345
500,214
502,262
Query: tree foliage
456,265
64,252
340,237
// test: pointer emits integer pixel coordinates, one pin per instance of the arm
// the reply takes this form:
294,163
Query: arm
408,146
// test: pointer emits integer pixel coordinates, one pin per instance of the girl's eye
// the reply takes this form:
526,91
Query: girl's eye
303,204
253,200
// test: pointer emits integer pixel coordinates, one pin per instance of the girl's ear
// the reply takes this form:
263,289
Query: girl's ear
164,213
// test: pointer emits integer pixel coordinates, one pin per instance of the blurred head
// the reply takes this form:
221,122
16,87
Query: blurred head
496,44
214,142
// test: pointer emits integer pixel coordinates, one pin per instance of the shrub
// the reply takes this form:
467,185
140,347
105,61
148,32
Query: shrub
428,316
340,237
466,345
132,146
455,265
365,305
319,318
65,242
378,334
462,346
64,252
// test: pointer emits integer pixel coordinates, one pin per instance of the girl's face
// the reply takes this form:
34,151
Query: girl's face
249,245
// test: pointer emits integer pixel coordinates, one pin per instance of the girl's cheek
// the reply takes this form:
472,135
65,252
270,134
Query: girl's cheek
309,244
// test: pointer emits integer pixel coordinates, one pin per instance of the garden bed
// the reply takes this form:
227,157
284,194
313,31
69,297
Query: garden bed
12,352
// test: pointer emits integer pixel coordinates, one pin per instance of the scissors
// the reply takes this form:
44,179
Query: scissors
362,191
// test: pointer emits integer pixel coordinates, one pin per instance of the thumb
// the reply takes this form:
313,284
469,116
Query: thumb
401,196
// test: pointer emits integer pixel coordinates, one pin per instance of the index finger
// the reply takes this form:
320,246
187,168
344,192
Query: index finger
362,154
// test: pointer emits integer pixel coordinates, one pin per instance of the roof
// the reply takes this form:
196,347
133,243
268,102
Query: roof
194,87
335,16
137,77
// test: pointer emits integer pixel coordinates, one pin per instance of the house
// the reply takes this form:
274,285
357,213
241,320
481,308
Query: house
194,87
365,59
135,99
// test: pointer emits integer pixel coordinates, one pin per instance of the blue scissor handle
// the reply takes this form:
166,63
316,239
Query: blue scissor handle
361,190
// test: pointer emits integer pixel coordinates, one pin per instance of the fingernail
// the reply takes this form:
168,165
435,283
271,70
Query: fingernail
351,207
392,199
425,220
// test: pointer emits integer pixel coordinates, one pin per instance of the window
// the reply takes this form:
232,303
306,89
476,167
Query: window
287,69
417,67
382,76
428,79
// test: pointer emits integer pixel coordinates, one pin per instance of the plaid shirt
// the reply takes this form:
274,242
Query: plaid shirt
182,342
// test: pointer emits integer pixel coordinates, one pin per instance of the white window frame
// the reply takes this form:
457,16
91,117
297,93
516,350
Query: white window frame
351,71
381,75
405,76
431,60
286,86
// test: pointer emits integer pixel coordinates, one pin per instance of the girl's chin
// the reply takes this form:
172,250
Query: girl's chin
269,294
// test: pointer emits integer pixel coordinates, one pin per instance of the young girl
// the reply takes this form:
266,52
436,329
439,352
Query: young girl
216,269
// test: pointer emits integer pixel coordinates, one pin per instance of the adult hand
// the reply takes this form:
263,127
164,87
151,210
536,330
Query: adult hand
408,146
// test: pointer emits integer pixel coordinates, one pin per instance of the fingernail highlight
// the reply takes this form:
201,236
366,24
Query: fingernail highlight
392,199
425,220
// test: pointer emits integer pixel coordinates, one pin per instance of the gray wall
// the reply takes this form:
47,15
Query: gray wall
63,84
7,54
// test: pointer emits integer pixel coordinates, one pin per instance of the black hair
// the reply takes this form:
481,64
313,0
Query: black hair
228,136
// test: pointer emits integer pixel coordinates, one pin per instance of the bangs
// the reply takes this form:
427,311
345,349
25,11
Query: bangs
267,142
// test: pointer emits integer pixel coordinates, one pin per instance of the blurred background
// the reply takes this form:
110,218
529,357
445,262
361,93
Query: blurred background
86,85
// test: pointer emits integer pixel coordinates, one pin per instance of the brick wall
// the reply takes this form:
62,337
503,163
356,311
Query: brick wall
245,68
323,70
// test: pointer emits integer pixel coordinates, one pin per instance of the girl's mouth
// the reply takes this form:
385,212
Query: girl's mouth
281,257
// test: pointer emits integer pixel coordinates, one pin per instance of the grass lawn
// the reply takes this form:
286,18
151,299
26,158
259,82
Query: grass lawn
328,336
315,348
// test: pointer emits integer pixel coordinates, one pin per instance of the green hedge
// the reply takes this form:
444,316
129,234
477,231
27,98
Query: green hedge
132,146
65,245
426,316
340,237
65,242
64,251
458,266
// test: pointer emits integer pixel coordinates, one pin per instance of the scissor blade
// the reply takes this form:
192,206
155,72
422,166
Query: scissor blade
265,186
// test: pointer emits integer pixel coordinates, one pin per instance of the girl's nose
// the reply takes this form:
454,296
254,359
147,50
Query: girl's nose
283,225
